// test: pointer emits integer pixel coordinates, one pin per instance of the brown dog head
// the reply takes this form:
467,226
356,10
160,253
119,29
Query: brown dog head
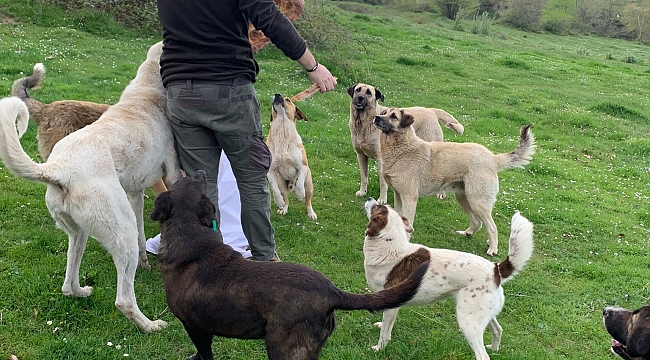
364,96
283,106
630,330
382,216
393,120
186,202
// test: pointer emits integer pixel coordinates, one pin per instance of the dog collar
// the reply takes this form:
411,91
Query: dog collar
214,225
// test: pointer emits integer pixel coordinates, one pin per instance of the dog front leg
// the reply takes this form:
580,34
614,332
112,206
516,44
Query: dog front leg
202,341
386,328
136,199
300,183
278,196
383,184
363,170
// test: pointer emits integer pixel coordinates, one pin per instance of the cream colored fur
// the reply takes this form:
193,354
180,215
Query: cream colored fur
415,168
365,136
469,279
96,178
289,169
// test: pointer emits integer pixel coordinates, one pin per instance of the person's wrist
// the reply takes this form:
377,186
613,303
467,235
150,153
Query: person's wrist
312,69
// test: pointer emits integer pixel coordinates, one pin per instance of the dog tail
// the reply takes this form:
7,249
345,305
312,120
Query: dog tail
389,298
522,154
447,120
11,152
520,248
33,81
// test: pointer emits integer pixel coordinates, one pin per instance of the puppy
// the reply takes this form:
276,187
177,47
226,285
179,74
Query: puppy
58,119
213,290
630,330
289,169
473,282
365,137
96,178
415,168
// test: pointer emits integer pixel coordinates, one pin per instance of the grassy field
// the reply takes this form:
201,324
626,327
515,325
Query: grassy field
587,189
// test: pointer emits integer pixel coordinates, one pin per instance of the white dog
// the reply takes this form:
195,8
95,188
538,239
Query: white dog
473,282
96,178
289,169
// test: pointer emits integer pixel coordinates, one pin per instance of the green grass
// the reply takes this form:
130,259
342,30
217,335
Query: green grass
586,190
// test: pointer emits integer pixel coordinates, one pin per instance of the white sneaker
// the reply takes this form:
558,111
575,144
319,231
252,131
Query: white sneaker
153,244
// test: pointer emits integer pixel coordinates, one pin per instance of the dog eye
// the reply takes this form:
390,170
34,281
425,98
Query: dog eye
358,90
368,92
392,116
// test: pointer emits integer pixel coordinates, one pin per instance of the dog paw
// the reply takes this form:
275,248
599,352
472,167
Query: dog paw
283,210
144,265
441,195
311,214
492,252
361,193
377,324
155,325
464,233
382,200
378,347
80,292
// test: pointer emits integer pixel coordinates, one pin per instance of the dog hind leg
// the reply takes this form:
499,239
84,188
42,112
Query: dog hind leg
309,193
77,241
496,331
474,223
386,328
279,197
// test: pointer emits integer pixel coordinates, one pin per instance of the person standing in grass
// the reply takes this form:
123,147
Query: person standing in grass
208,69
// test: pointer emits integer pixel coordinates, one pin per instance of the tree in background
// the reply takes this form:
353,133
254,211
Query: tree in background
449,8
558,16
523,14
637,18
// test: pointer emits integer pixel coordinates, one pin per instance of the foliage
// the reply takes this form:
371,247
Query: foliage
523,14
449,8
637,19
558,16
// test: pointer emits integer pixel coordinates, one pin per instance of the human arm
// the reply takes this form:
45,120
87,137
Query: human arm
321,76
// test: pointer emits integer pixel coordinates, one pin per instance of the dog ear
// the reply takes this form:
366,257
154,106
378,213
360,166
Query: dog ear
379,95
162,206
638,342
406,120
351,89
300,115
206,211
407,225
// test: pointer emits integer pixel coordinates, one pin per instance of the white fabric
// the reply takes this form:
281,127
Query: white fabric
230,212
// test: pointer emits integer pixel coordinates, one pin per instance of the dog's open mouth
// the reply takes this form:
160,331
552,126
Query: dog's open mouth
619,349
359,105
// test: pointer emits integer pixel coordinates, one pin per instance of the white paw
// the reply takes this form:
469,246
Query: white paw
464,233
300,194
377,324
441,195
155,325
311,214
361,193
492,252
381,201
144,264
283,210
376,348
80,292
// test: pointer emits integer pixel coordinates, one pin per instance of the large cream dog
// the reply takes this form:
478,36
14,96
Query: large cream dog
57,119
96,176
289,169
416,168
365,137
473,282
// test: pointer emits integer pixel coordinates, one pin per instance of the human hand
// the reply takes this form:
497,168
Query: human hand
323,78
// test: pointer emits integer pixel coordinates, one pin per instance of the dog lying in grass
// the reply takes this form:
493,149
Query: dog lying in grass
214,291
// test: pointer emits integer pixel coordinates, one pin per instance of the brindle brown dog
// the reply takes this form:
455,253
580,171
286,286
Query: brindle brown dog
630,330
213,290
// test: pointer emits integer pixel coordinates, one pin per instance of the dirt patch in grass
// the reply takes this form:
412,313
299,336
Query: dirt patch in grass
4,19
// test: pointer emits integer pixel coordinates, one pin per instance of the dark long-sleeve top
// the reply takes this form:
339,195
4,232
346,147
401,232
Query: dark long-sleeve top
208,39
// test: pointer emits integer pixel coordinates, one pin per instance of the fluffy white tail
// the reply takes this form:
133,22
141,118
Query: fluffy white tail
520,247
12,110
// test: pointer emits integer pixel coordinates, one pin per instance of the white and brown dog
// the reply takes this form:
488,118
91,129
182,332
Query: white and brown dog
365,136
96,178
473,282
416,168
289,169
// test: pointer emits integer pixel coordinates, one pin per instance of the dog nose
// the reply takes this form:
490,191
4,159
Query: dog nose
277,98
